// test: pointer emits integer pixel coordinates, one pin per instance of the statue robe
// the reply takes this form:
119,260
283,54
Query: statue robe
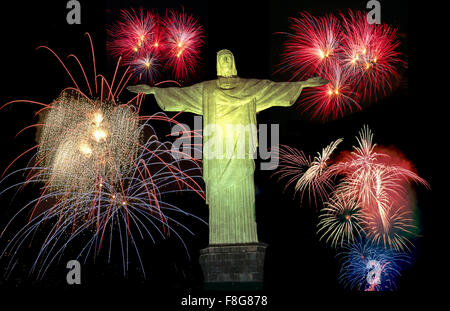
229,143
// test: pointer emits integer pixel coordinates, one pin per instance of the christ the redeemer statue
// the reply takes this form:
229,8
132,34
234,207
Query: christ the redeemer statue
229,106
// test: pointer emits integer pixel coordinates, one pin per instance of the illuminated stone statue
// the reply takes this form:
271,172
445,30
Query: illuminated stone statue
229,106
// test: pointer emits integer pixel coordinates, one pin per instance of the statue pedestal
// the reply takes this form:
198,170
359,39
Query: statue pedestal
233,266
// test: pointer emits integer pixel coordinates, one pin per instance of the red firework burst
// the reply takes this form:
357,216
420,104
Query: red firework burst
313,45
135,34
184,39
369,54
360,59
332,100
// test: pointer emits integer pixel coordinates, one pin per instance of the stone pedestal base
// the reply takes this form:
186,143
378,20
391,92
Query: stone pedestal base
233,266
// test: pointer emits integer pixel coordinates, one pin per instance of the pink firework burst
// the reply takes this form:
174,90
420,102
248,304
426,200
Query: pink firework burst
313,45
135,34
184,40
370,55
332,100
377,178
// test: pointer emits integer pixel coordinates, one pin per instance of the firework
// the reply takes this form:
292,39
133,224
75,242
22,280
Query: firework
310,176
333,100
370,55
396,232
316,178
370,191
148,44
293,163
131,210
184,39
312,47
103,174
341,220
137,40
359,59
88,139
135,34
378,180
367,267
147,67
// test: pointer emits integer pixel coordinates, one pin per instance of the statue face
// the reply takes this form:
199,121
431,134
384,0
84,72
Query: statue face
226,64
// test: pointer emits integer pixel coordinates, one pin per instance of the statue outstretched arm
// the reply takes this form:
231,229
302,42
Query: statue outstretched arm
189,99
284,94
314,82
141,88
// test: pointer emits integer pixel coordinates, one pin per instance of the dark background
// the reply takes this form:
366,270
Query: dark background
297,267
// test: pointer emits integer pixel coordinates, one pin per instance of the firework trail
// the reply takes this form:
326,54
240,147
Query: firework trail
309,176
316,178
359,59
293,163
367,267
106,212
103,175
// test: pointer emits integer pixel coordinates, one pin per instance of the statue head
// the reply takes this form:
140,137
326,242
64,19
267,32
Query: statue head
226,67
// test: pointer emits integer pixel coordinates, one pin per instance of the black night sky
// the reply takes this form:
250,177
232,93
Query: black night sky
297,265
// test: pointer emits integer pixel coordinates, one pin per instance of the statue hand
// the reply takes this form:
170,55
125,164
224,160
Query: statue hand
314,82
141,88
